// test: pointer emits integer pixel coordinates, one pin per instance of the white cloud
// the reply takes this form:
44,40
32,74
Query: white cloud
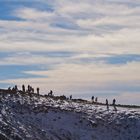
91,76
33,14
92,35
88,28
31,59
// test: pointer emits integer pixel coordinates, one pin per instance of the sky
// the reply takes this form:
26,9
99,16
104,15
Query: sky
80,47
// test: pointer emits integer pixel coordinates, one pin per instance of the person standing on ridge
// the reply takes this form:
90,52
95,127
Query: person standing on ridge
16,89
23,88
107,105
37,90
29,89
70,97
92,99
114,104
96,99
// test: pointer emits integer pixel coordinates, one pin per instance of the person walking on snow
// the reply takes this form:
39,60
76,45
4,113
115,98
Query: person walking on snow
114,104
92,99
37,90
96,99
107,105
23,88
70,97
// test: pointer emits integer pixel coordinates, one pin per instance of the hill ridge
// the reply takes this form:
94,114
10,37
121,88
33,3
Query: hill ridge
25,116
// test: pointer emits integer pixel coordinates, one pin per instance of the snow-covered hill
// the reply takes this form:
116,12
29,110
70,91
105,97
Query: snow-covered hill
24,117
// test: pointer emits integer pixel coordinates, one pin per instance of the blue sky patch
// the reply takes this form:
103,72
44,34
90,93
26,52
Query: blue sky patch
8,7
112,59
16,71
122,59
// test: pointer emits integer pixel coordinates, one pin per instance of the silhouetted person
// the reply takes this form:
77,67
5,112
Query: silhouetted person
32,90
96,99
37,90
50,93
29,88
9,88
13,89
23,88
70,97
92,99
16,89
114,104
63,97
107,105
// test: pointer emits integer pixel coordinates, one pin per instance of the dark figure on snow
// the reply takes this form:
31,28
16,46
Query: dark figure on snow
16,89
50,93
92,99
107,105
23,88
70,97
37,90
29,88
32,90
114,104
96,99
13,89
9,88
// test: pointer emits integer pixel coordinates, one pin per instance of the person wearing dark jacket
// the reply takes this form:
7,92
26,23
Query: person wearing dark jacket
23,88
70,97
37,90
92,99
107,105
96,99
114,104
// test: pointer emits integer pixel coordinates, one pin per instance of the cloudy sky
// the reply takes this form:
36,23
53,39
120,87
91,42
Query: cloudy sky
78,47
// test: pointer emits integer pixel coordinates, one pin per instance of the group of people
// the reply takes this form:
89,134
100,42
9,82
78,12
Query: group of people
113,103
94,101
14,89
107,103
29,89
50,93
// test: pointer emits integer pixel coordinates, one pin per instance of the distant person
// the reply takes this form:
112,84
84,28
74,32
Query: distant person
29,88
32,90
92,99
37,90
16,89
13,89
23,88
63,97
70,97
114,104
107,105
50,93
96,99
9,88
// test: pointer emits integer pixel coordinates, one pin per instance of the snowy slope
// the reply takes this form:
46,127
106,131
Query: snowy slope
24,117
